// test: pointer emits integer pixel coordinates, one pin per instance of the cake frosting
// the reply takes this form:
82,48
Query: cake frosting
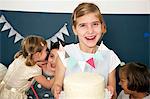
84,86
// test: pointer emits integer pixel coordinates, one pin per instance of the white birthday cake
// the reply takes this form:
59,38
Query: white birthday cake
84,86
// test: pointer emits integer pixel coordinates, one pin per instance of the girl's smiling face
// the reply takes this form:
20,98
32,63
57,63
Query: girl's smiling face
52,57
88,29
124,83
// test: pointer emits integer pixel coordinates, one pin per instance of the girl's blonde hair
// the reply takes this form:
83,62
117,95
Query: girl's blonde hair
86,8
29,46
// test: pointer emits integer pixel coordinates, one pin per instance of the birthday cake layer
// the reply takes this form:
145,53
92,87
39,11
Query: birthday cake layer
84,85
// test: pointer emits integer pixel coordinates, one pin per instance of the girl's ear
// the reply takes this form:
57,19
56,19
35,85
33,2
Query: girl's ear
74,30
103,28
36,56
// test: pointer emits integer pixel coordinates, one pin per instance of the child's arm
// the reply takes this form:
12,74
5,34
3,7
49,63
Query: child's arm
112,83
59,77
44,82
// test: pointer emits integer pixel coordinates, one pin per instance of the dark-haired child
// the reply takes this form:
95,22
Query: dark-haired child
48,67
135,81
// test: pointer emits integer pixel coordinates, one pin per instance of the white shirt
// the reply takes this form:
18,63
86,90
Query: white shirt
74,60
122,95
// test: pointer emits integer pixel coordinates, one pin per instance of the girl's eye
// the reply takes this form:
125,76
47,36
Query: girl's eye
96,23
81,25
51,55
123,81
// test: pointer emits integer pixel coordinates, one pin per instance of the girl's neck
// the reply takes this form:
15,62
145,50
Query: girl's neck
47,70
138,96
44,68
88,50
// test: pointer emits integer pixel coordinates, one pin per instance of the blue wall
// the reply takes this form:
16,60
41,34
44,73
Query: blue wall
125,33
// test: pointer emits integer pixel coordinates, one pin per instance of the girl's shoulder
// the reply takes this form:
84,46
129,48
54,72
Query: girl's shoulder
72,48
72,45
32,71
103,47
20,61
122,95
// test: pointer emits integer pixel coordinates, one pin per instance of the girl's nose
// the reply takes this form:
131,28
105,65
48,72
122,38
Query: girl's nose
90,29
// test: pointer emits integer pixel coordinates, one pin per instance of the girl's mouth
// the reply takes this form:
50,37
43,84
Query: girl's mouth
90,37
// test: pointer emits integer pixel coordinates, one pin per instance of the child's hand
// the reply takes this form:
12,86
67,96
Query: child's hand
110,92
57,91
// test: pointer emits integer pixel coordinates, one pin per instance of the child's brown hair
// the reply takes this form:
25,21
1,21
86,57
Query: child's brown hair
29,46
86,8
137,75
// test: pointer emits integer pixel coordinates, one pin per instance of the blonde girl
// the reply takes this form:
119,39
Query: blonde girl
89,27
